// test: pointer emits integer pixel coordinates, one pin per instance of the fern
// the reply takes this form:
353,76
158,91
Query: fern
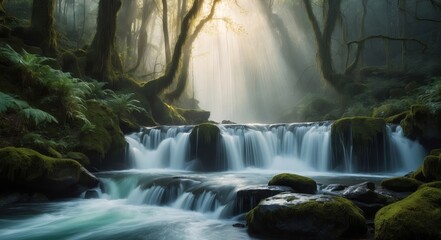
24,110
123,104
9,102
37,115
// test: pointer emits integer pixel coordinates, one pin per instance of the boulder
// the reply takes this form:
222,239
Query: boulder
401,184
204,142
416,217
332,188
247,198
365,193
304,216
26,170
432,168
299,184
104,144
423,123
367,137
91,194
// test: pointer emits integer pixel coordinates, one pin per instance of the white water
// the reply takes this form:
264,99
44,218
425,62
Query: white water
288,147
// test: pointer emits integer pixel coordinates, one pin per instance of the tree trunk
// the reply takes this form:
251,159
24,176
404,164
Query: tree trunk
183,76
42,33
147,11
2,9
323,38
165,30
102,49
156,86
403,32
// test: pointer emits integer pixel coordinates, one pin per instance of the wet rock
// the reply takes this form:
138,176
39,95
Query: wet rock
305,216
334,188
248,198
432,168
299,184
204,141
365,193
91,194
401,184
415,217
239,225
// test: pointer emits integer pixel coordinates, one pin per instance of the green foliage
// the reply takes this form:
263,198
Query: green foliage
24,110
123,104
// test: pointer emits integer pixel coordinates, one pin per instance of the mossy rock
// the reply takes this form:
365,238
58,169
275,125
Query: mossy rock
435,152
194,116
299,184
396,119
436,184
79,157
401,184
306,216
204,142
104,144
418,175
23,169
432,168
416,217
366,135
423,123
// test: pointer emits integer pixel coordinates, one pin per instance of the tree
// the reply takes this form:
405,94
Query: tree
41,31
102,55
165,30
331,13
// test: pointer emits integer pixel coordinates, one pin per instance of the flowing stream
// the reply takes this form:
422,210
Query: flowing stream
162,197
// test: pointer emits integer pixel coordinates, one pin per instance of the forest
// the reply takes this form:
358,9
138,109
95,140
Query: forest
220,119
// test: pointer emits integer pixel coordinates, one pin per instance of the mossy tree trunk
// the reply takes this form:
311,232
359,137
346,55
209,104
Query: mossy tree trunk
154,87
126,18
2,9
183,76
41,31
147,11
165,30
102,55
331,13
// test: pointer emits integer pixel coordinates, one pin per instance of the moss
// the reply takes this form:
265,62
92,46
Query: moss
432,168
79,157
23,164
396,119
204,141
366,136
416,217
401,184
424,123
436,184
418,174
305,217
194,116
435,152
104,139
298,183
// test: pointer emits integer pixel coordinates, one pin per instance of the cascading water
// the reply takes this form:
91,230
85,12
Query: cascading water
295,147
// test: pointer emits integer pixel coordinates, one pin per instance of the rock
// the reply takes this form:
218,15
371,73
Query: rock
365,193
38,198
239,225
436,184
104,145
304,216
334,188
194,116
299,184
367,138
401,184
248,198
415,217
26,170
432,168
418,175
79,157
435,152
204,141
396,119
91,194
423,123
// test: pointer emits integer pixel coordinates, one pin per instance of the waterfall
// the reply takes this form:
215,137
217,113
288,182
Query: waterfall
291,147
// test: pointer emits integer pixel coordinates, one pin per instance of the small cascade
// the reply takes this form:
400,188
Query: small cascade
290,147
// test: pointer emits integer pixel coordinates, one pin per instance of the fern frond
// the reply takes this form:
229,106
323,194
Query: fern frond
37,115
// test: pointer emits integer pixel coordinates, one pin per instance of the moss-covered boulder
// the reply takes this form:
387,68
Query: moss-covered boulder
423,123
204,142
436,184
299,184
401,184
104,143
303,216
26,170
367,137
416,217
249,197
418,175
194,116
396,119
432,168
435,152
